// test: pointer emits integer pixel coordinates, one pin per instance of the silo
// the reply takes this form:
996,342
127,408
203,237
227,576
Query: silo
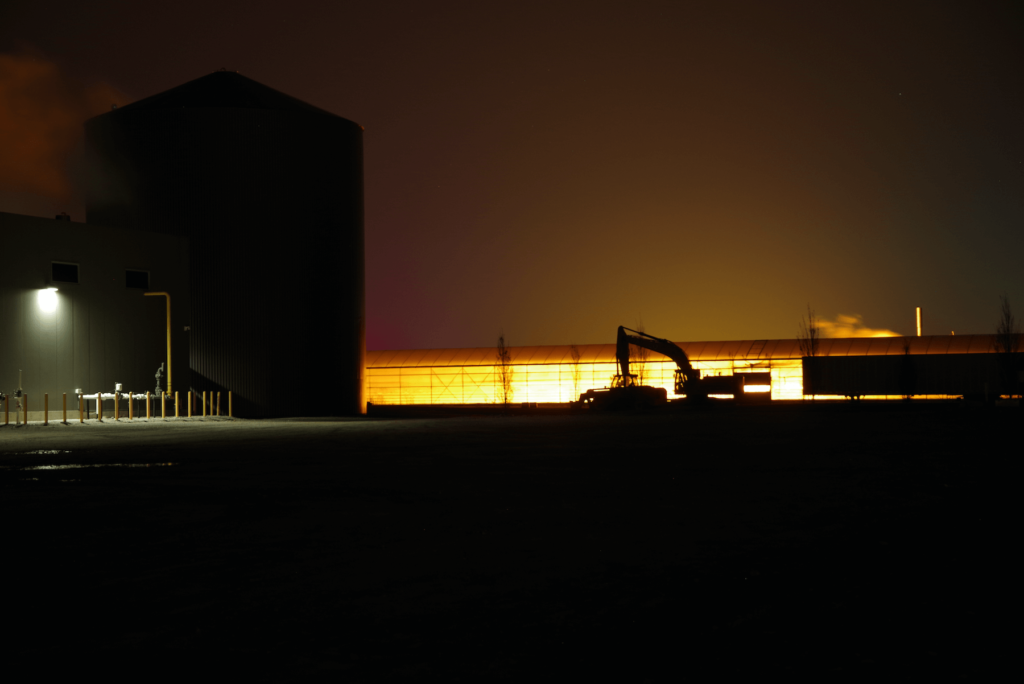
269,191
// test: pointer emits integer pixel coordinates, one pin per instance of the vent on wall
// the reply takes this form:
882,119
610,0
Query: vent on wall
61,272
139,279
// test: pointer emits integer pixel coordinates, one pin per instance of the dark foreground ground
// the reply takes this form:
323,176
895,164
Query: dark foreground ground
834,543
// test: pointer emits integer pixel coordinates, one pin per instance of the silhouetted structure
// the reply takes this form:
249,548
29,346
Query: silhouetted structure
269,191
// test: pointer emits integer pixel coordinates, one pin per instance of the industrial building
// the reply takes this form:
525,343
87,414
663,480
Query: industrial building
269,192
263,194
245,206
775,368
73,311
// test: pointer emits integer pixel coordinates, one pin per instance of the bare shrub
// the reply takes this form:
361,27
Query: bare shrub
809,333
576,370
638,358
504,371
1007,345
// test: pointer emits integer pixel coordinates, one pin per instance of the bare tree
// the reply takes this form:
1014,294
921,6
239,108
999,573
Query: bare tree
809,333
638,358
504,371
1007,342
577,371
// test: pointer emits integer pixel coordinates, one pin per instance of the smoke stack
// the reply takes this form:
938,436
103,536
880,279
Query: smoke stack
918,321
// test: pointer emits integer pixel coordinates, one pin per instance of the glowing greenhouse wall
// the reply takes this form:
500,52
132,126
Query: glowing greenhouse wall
545,374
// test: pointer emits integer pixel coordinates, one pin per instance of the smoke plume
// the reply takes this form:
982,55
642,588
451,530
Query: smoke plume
850,326
41,117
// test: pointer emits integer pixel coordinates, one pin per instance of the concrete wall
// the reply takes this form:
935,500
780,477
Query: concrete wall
101,332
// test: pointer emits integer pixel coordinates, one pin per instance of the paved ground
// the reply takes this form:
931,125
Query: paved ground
825,542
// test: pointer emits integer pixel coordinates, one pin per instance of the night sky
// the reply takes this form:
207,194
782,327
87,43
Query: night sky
555,169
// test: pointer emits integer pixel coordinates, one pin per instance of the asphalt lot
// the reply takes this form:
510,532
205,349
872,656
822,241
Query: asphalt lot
827,542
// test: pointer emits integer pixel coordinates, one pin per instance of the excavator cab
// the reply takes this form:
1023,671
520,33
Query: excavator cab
620,380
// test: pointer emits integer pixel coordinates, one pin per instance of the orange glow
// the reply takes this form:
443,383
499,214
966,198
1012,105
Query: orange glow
851,326
41,114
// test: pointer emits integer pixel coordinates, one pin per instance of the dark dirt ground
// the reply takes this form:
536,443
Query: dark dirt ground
825,542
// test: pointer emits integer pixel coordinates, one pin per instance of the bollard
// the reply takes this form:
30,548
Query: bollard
189,403
25,404
64,409
163,405
218,404
7,410
131,409
147,406
99,407
204,403
81,410
177,405
46,409
230,412
117,406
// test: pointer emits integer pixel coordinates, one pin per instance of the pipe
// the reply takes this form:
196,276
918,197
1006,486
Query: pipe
170,387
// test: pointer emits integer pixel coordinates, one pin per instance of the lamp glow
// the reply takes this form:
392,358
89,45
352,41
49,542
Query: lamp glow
48,299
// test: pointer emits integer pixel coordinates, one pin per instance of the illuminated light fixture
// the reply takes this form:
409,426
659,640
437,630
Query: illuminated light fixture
757,388
48,299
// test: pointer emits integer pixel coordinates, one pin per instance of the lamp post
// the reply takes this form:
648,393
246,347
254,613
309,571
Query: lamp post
164,294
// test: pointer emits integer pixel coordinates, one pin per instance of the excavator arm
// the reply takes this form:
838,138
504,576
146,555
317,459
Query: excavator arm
667,348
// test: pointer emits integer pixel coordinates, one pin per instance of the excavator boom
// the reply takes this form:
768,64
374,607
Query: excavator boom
667,348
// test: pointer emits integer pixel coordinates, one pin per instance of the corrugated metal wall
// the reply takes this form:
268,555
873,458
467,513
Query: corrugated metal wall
272,203
101,332
951,374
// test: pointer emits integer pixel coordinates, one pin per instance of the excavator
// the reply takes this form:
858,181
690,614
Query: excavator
625,392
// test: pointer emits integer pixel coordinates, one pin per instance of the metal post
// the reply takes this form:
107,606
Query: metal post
218,404
163,405
99,407
230,412
148,416
25,404
117,406
7,410
177,405
81,409
190,403
131,409
46,409
204,403
170,386
64,402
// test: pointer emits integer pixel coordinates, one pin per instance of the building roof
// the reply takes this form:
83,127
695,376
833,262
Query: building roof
735,350
223,90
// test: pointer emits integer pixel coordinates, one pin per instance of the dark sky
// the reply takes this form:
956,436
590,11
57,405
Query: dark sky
555,169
